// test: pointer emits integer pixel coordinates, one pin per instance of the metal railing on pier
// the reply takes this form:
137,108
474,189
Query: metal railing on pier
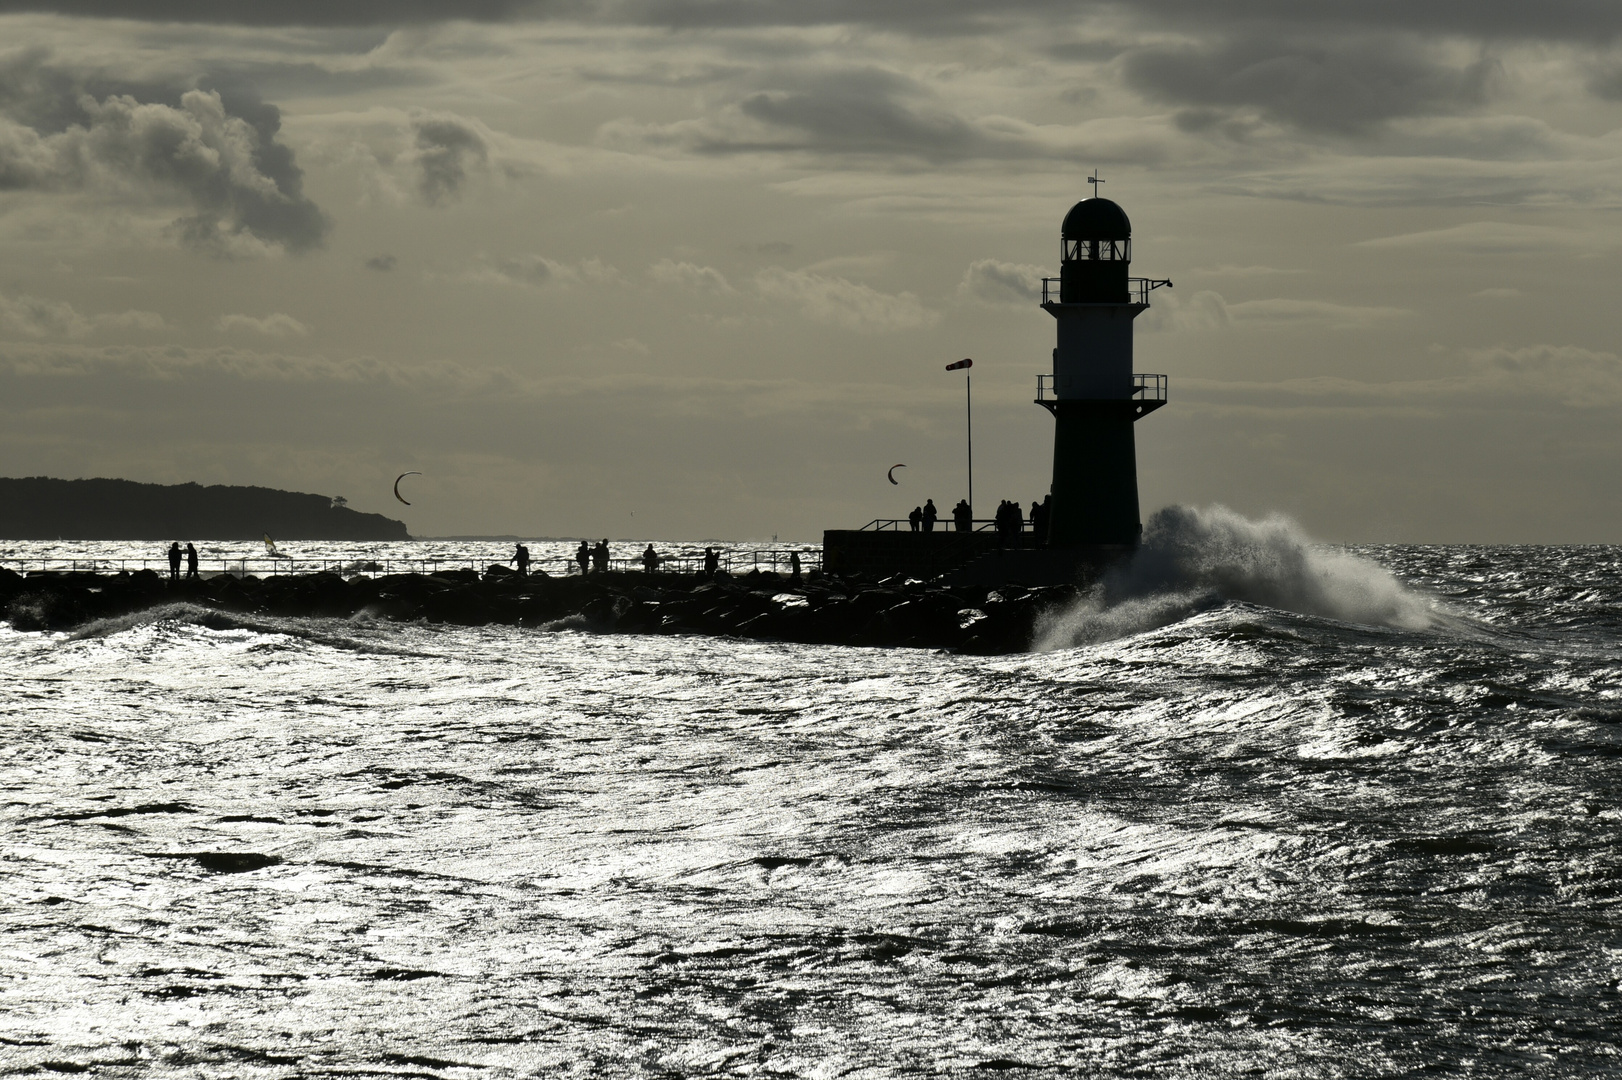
942,525
683,561
1137,289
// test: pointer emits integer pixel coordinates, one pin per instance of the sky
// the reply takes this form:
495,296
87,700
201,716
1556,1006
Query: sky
693,268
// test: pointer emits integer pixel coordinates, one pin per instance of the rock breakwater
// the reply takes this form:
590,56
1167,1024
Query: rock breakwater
816,610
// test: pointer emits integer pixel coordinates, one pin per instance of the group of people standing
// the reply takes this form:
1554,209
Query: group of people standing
1010,519
176,554
594,558
923,517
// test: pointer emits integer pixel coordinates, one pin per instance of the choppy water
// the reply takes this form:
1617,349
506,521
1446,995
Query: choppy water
1203,835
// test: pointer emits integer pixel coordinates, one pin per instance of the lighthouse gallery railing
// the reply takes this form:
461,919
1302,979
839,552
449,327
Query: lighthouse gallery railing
1137,289
1145,387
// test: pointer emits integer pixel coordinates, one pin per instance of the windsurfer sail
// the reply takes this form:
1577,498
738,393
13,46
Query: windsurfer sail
270,549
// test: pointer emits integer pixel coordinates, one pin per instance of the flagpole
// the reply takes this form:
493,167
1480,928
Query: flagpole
968,392
968,402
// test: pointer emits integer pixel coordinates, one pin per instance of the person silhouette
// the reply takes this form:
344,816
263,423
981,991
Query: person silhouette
929,515
962,516
191,560
582,556
794,565
174,561
916,518
599,556
712,562
650,560
521,557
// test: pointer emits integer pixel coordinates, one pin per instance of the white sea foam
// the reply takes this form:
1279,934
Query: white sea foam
1195,558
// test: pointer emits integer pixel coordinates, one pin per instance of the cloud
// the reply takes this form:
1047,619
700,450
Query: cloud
1339,87
383,263
1207,310
1499,376
992,281
216,148
1577,377
1229,270
32,317
1567,180
277,325
1498,238
704,279
446,147
1583,20
845,303
1281,312
1174,311
874,113
283,12
537,270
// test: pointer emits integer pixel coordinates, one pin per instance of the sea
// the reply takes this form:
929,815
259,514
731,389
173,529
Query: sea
1253,807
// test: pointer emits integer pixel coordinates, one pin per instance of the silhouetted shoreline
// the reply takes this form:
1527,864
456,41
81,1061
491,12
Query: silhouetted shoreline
766,606
42,508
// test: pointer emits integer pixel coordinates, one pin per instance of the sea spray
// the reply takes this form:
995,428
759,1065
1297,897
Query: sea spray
1195,558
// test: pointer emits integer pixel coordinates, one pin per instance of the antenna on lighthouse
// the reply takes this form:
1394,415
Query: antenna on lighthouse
1095,181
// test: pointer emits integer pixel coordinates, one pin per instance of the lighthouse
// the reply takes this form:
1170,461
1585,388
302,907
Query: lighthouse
1095,398
1093,393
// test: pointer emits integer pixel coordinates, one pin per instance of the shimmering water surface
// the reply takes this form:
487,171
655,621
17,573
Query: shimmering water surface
1216,837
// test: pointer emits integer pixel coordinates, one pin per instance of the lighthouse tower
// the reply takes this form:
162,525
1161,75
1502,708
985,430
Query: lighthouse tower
1093,394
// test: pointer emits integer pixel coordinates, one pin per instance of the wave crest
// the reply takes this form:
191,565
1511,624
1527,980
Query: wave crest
1195,558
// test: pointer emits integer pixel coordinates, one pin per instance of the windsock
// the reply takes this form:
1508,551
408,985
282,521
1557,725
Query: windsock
960,364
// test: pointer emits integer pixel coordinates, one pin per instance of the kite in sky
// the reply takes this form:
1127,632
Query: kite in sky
397,480
891,474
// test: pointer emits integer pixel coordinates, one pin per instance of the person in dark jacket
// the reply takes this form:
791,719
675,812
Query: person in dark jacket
582,556
191,560
916,518
174,561
929,515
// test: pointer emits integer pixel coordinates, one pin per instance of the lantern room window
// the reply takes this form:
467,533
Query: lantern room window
1095,250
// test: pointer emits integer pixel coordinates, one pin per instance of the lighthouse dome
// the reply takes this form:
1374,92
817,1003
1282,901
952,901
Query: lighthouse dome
1096,219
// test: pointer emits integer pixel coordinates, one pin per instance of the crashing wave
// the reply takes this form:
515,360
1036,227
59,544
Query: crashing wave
1193,559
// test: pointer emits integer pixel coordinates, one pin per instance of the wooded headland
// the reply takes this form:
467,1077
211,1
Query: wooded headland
39,508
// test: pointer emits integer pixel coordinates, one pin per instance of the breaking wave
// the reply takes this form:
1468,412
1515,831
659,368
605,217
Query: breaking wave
357,634
1193,559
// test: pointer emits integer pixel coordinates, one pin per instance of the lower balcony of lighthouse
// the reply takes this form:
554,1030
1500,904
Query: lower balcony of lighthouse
1148,394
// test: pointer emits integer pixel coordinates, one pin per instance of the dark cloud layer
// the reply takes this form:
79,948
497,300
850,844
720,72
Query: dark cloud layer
283,12
1550,19
1337,88
865,111
215,143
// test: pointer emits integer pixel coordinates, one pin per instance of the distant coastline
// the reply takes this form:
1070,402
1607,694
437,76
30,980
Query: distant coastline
42,508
